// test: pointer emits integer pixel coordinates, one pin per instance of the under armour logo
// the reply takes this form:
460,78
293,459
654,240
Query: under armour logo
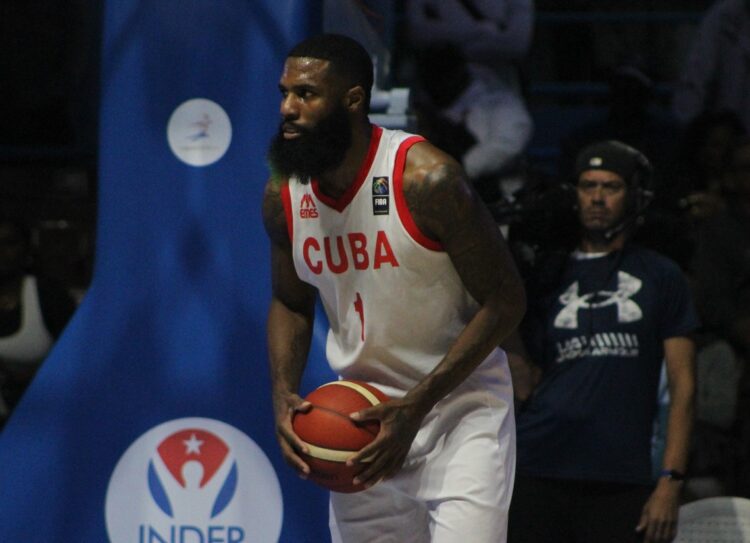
627,309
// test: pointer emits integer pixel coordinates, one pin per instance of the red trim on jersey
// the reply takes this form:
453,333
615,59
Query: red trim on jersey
343,201
403,209
286,201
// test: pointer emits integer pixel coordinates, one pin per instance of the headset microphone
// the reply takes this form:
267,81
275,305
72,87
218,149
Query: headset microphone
631,219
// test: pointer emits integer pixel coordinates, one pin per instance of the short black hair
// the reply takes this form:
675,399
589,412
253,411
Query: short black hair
348,58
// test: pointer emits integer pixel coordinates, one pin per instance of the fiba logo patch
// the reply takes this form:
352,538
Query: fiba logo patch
199,132
380,198
193,480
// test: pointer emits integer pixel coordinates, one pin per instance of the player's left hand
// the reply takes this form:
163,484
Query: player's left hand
399,423
658,522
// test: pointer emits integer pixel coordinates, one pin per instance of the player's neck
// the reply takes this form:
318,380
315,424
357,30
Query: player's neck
336,182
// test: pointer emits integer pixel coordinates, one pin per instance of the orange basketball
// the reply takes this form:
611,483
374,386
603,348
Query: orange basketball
331,436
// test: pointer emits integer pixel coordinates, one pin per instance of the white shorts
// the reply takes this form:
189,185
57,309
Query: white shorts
455,485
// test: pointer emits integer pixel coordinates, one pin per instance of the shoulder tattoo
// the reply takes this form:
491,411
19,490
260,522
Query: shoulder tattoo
438,199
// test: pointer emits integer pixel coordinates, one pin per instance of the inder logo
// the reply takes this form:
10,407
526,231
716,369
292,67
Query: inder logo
193,480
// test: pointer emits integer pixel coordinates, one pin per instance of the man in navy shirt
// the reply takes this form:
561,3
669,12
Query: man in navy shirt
597,339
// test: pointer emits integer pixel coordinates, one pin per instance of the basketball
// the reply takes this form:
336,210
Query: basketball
331,436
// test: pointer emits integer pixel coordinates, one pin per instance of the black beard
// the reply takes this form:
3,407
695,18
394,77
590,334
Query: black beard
316,151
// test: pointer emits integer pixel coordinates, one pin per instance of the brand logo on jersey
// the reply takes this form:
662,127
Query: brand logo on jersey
604,344
307,209
380,197
627,309
193,480
340,253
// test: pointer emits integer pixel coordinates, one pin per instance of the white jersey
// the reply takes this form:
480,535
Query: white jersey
394,301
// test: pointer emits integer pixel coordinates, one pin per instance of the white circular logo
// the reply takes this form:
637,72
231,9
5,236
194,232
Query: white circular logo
199,132
194,480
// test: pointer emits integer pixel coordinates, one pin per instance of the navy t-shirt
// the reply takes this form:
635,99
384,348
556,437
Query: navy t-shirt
599,338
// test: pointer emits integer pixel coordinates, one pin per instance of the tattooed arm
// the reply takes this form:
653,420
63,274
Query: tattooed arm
446,209
290,324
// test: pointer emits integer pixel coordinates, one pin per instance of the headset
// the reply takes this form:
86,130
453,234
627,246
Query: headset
640,191
641,183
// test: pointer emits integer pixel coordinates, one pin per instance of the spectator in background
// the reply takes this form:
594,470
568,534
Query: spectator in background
599,335
632,117
721,275
693,187
708,142
721,267
33,312
716,74
356,19
468,112
476,48
490,33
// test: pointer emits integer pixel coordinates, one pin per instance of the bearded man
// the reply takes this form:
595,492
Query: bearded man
419,288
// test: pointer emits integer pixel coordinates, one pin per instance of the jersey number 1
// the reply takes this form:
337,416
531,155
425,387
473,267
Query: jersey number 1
360,309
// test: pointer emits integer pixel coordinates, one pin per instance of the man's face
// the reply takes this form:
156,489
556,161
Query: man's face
601,199
315,130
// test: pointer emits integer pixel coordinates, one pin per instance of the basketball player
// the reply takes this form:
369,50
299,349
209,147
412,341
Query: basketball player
600,333
419,289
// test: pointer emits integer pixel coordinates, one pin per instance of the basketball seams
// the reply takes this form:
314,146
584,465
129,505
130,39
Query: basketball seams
367,394
323,453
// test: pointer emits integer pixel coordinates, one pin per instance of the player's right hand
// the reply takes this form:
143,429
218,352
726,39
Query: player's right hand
285,406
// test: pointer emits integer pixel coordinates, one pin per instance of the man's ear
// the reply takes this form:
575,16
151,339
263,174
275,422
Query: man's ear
355,98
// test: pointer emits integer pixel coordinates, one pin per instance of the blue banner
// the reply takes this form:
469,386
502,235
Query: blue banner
151,420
